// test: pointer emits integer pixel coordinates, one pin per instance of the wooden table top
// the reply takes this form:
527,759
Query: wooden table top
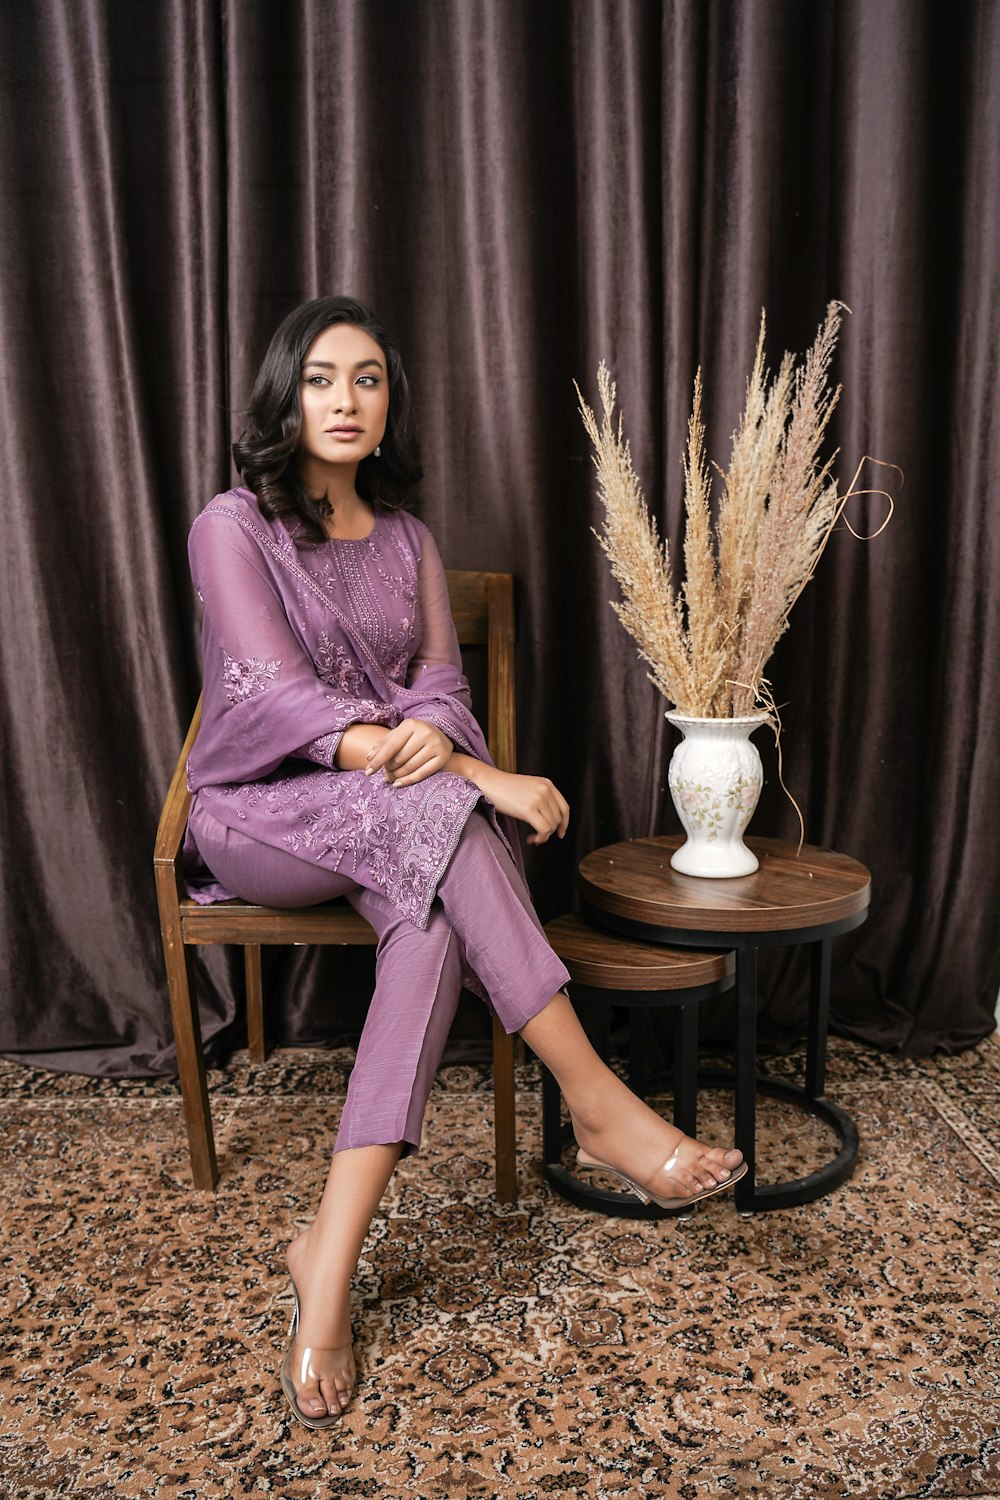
789,891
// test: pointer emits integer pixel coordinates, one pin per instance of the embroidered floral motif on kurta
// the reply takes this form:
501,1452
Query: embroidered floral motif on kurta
336,666
244,678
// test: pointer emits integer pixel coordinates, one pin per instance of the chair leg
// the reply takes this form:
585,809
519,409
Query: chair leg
190,1056
503,1114
255,1003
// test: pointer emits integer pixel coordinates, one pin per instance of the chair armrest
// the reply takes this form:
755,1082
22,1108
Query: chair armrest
173,818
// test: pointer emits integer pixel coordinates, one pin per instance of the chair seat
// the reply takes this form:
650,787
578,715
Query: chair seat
237,921
605,961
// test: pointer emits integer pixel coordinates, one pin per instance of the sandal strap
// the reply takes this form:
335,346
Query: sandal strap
671,1162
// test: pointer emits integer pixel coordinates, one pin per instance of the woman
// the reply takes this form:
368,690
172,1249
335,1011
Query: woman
338,754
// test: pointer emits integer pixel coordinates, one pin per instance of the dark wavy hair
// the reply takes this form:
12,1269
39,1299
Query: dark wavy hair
265,453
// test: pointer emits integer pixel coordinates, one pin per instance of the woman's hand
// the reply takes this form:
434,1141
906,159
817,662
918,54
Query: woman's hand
533,799
409,753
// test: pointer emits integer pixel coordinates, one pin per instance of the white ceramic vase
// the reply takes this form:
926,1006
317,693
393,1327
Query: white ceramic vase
715,778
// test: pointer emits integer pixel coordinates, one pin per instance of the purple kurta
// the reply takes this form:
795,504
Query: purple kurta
299,643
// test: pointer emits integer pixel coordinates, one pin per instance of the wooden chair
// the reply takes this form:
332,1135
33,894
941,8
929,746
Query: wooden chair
482,605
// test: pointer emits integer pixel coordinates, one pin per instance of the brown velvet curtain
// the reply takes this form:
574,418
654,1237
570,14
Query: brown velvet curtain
519,189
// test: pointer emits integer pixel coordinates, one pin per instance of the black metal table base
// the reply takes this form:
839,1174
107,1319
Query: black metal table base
799,1189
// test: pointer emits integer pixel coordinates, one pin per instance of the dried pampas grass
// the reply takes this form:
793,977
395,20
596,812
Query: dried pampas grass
707,645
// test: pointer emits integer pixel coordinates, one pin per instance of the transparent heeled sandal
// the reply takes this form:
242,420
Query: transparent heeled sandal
306,1371
646,1195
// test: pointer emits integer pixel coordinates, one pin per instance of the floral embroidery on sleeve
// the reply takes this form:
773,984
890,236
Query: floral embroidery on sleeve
362,711
323,749
336,667
244,679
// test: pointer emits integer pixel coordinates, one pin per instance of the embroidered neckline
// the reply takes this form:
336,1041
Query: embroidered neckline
357,541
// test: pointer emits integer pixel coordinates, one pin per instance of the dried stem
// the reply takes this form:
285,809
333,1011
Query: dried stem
649,610
706,627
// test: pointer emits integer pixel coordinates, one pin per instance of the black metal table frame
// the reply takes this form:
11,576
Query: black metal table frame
555,1135
744,1078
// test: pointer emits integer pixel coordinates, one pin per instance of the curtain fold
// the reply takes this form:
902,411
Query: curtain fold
112,331
519,191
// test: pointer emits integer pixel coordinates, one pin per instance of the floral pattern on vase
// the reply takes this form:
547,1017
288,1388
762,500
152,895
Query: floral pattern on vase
715,779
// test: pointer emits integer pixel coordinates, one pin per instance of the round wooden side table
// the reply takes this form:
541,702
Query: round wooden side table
809,897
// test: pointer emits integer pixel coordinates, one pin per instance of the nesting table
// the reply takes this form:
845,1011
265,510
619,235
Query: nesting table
795,897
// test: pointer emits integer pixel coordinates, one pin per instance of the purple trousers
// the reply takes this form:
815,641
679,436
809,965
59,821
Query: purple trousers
481,920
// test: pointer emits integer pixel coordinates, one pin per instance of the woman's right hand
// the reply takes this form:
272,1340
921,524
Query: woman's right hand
533,799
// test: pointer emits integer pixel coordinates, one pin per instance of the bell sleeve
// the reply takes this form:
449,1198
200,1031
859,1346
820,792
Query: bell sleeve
262,700
435,683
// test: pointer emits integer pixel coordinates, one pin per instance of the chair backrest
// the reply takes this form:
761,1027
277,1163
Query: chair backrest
482,606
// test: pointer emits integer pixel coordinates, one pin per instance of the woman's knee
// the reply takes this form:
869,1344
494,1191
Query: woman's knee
395,931
477,841
260,873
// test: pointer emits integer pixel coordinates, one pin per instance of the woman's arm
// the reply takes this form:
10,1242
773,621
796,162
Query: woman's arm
357,745
420,745
263,700
533,799
407,754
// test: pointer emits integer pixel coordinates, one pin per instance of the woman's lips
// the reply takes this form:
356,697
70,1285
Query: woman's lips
344,433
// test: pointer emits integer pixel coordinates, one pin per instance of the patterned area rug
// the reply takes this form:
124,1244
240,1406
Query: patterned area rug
850,1347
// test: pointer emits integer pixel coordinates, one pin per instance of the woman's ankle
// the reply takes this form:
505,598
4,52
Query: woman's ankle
324,1292
603,1106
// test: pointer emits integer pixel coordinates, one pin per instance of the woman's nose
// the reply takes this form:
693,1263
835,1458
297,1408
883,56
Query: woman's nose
342,396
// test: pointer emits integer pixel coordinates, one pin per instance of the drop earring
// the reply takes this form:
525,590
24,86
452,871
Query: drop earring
378,451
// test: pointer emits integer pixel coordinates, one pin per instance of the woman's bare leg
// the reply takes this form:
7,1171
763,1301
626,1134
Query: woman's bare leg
418,982
610,1123
322,1260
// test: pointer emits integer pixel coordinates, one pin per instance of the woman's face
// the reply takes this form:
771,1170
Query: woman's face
344,392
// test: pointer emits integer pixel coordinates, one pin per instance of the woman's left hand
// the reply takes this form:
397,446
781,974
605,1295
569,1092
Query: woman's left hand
409,753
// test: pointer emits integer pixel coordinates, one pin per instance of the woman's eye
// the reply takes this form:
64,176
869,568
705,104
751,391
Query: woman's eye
367,380
316,380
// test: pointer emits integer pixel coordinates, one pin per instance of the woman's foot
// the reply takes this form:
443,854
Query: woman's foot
615,1128
621,1132
319,1364
686,1164
317,1374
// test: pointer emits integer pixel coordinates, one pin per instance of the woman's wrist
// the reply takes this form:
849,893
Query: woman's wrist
356,742
469,767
